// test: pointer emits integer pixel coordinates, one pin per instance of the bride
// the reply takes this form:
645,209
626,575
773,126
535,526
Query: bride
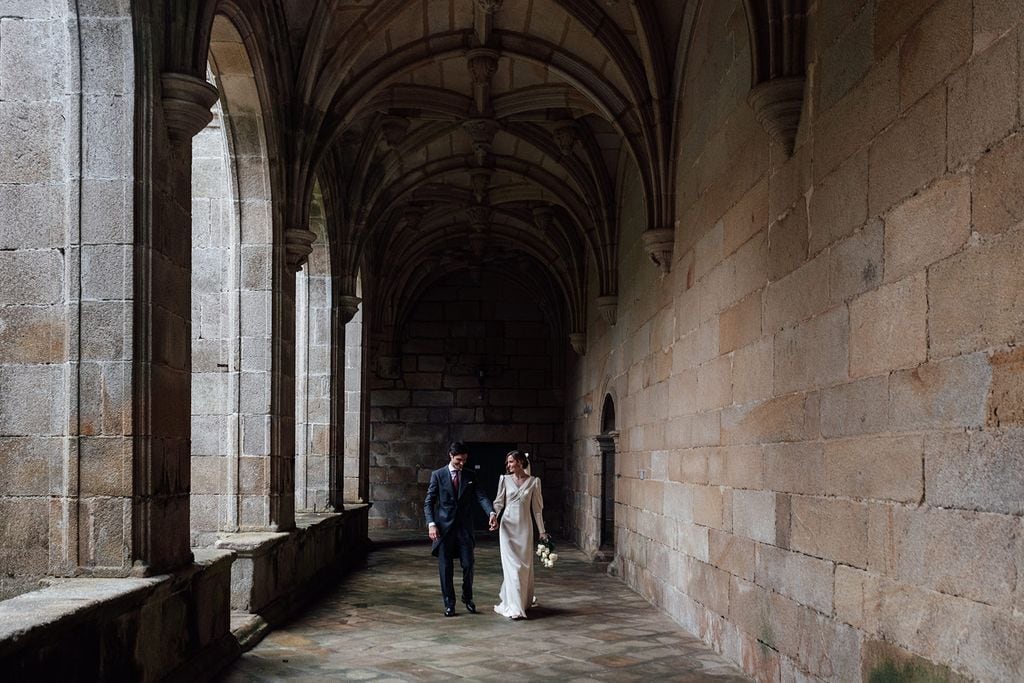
519,496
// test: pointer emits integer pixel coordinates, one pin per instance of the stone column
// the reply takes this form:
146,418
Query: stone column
344,309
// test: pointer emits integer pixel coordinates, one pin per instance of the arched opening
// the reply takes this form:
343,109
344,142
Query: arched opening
606,443
231,302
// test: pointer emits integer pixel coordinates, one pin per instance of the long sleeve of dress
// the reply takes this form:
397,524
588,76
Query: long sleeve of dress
499,497
537,507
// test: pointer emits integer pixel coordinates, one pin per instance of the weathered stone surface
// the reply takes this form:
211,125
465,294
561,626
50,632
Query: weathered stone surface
787,243
856,408
830,528
794,467
799,296
753,515
993,19
32,335
846,61
940,395
839,204
31,277
26,133
976,471
893,18
752,372
1006,399
983,101
38,410
740,324
813,354
735,554
714,386
858,117
909,154
855,264
38,206
802,578
973,302
995,205
746,218
788,418
883,467
736,466
928,227
968,554
939,43
888,328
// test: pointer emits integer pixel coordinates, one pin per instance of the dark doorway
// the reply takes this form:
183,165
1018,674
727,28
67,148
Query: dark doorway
606,442
487,460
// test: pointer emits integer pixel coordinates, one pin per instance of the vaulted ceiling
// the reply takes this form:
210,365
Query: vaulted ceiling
458,134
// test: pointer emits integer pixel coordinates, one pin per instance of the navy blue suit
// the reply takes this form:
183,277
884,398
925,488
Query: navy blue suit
452,512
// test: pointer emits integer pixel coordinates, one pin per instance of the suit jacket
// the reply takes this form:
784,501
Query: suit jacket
451,510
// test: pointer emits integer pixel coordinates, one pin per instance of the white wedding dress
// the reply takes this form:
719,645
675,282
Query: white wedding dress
522,506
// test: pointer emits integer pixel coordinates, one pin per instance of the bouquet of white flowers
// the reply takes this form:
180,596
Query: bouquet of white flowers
546,552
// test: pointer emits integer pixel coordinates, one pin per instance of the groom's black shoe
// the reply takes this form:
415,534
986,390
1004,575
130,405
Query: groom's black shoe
470,606
449,611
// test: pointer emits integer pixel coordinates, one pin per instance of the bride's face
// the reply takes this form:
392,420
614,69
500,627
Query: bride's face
513,466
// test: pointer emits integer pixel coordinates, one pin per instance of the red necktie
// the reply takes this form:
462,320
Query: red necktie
455,480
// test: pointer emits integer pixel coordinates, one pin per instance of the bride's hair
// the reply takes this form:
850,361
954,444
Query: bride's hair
520,458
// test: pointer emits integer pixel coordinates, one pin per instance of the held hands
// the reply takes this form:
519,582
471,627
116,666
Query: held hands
493,522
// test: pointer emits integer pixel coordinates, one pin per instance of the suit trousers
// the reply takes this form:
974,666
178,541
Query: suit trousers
457,543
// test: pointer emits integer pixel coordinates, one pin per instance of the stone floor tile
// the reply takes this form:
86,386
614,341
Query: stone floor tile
384,623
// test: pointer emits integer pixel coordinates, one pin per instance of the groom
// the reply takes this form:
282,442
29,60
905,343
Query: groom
448,510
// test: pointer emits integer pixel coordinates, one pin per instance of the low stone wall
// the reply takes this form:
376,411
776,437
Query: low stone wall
176,626
164,627
274,572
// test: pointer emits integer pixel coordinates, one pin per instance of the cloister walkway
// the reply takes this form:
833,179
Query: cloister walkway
384,623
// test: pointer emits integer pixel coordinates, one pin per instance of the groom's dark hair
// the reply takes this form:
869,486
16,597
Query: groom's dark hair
457,448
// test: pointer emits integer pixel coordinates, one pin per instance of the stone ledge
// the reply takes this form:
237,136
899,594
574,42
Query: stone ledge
88,628
275,572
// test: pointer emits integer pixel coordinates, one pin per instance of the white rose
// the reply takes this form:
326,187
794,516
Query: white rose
553,557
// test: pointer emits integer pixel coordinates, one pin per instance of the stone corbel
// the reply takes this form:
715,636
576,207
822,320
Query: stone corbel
298,245
608,307
777,105
778,39
347,307
659,243
186,101
578,341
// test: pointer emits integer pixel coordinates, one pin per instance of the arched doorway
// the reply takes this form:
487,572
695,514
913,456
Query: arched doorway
606,444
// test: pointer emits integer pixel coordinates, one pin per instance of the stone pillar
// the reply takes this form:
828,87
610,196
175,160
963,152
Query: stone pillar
343,311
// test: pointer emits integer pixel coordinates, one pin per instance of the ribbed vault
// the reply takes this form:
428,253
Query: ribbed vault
488,133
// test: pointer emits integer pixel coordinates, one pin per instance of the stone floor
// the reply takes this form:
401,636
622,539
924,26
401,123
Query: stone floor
384,623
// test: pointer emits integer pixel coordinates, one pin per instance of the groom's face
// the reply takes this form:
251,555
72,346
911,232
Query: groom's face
459,460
